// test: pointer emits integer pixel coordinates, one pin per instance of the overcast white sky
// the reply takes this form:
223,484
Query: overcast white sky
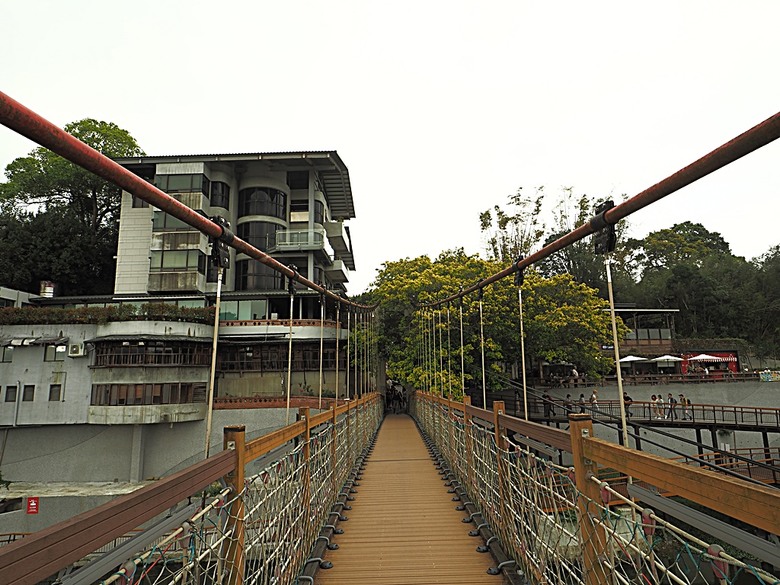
440,109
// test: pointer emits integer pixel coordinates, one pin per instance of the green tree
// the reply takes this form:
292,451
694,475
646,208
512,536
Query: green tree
59,221
565,320
517,229
513,232
46,180
686,242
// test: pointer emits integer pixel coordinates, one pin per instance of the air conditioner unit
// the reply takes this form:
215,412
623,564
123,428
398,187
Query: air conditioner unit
76,350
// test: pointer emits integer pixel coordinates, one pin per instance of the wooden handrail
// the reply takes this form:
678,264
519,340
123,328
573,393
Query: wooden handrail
45,552
756,505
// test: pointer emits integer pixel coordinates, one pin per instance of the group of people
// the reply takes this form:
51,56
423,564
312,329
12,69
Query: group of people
568,403
395,397
659,408
667,409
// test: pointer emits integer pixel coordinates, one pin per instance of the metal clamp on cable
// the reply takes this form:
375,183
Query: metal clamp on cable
323,563
520,274
497,570
604,237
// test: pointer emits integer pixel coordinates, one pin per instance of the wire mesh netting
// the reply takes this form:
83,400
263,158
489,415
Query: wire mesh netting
265,534
555,533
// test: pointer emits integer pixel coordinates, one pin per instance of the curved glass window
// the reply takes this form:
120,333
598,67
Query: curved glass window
261,234
262,201
319,212
254,275
220,194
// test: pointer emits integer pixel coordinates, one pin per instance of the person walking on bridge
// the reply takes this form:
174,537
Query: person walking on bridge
672,414
686,406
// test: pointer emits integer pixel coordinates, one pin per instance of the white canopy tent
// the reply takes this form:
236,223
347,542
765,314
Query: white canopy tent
632,358
667,358
703,357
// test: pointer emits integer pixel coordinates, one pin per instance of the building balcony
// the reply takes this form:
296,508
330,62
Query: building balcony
338,236
337,272
299,240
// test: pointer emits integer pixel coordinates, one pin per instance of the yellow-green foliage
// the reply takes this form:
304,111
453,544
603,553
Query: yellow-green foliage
563,321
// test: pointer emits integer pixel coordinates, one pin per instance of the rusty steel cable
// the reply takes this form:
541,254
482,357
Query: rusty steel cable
24,121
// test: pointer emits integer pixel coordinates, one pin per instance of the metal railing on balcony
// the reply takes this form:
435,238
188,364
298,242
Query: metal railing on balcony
310,239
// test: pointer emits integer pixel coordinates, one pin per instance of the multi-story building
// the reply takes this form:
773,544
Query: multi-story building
121,394
292,206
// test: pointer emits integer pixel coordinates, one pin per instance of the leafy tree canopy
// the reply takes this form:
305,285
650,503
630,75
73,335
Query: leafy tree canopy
46,180
564,321
60,222
518,229
687,242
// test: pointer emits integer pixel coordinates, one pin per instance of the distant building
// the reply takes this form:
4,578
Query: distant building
126,398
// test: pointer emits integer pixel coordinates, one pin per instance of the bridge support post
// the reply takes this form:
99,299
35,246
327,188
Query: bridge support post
499,409
235,440
592,535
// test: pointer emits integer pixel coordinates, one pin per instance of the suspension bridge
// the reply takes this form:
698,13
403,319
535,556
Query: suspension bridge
450,493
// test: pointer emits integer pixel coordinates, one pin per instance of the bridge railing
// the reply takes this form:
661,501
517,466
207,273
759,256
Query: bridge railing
226,525
733,415
555,524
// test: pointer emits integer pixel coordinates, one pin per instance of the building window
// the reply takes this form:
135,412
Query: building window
273,358
6,354
151,353
161,221
262,201
148,394
254,275
319,212
261,234
252,310
10,393
55,392
55,353
220,194
182,183
177,260
28,393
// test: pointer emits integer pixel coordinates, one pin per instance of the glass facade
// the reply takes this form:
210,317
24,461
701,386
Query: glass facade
261,234
254,275
182,183
177,260
220,194
249,310
161,221
262,201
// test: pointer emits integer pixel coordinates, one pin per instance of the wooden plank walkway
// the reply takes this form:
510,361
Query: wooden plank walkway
403,527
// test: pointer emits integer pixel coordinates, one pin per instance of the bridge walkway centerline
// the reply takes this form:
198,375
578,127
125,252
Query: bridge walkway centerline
403,526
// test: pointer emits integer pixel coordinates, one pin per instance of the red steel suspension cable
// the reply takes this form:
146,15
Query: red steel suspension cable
753,139
24,121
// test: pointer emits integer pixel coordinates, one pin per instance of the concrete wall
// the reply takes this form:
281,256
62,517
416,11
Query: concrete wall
29,368
89,453
132,259
52,509
95,453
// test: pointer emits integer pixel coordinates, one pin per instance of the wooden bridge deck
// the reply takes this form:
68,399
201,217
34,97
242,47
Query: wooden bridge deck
403,527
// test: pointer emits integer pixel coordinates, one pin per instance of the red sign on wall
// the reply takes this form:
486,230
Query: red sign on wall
32,505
